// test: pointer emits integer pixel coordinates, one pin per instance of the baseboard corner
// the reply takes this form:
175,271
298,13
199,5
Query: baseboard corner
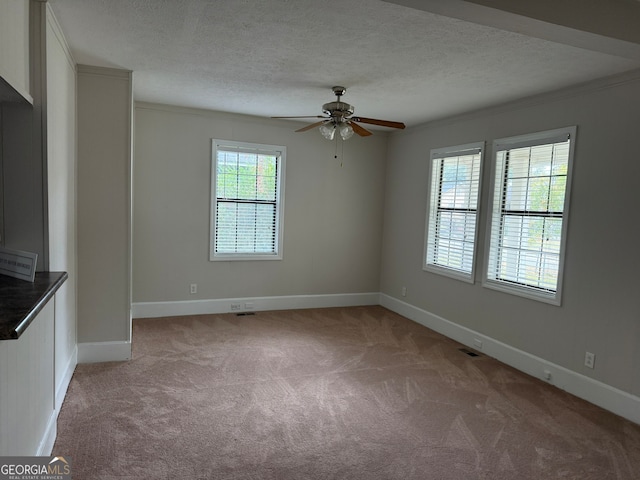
65,380
96,352
49,438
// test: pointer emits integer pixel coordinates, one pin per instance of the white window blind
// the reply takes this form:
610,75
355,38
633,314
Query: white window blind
247,201
452,210
529,214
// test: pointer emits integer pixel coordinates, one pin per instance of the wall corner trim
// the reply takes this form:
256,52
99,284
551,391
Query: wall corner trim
57,31
104,71
610,398
94,352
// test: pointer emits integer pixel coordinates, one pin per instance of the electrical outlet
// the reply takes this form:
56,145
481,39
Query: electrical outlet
477,343
193,288
236,307
589,360
248,306
404,291
547,375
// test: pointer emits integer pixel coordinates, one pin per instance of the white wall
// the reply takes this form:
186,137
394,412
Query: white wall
103,209
332,213
61,166
600,310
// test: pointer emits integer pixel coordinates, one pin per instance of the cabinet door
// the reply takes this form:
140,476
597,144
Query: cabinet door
27,387
14,49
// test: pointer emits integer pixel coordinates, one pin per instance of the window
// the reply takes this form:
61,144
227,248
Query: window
247,201
527,234
452,210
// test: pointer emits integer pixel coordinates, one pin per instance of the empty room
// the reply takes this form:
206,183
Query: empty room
362,239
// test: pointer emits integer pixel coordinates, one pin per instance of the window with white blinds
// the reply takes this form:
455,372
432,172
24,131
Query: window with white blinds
247,201
452,210
527,234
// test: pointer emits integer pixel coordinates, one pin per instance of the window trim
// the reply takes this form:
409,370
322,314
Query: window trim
445,152
280,183
528,140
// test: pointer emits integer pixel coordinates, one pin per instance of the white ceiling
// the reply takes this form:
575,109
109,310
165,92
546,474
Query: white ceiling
280,57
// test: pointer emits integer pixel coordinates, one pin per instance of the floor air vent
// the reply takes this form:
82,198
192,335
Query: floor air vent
244,314
469,352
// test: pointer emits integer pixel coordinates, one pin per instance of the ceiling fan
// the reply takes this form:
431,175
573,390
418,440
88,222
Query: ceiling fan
339,117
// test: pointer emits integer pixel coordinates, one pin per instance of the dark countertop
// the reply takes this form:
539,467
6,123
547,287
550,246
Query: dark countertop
21,301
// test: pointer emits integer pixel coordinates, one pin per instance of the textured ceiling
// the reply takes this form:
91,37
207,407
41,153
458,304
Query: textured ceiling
280,57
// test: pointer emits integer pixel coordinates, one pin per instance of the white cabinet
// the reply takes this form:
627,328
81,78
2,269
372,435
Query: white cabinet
14,46
27,389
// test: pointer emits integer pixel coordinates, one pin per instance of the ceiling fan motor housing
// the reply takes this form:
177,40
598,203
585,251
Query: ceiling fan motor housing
338,110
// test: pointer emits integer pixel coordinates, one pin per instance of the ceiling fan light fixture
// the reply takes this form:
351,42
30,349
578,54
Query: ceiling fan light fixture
328,130
346,131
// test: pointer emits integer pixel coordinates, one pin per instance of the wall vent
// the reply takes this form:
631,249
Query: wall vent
471,353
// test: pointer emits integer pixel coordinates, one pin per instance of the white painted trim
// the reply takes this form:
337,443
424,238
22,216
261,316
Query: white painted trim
105,72
493,220
49,438
200,307
57,31
598,393
94,352
437,154
63,384
281,168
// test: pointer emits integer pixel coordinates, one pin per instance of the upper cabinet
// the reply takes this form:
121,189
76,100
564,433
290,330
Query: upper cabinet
14,49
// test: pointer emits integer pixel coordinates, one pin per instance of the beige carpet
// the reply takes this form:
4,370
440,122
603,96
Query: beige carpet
345,393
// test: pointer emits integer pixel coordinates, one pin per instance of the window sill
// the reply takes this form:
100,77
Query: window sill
243,258
447,272
526,292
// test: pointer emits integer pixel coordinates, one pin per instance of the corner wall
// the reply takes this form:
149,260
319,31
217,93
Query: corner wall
104,213
600,306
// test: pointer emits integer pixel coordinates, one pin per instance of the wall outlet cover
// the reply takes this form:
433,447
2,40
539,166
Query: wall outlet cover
589,360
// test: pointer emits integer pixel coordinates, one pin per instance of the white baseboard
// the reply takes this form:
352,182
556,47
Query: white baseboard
104,352
63,383
49,438
290,302
598,393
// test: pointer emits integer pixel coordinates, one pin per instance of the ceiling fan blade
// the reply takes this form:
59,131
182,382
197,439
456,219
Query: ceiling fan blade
363,132
304,116
382,123
313,125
